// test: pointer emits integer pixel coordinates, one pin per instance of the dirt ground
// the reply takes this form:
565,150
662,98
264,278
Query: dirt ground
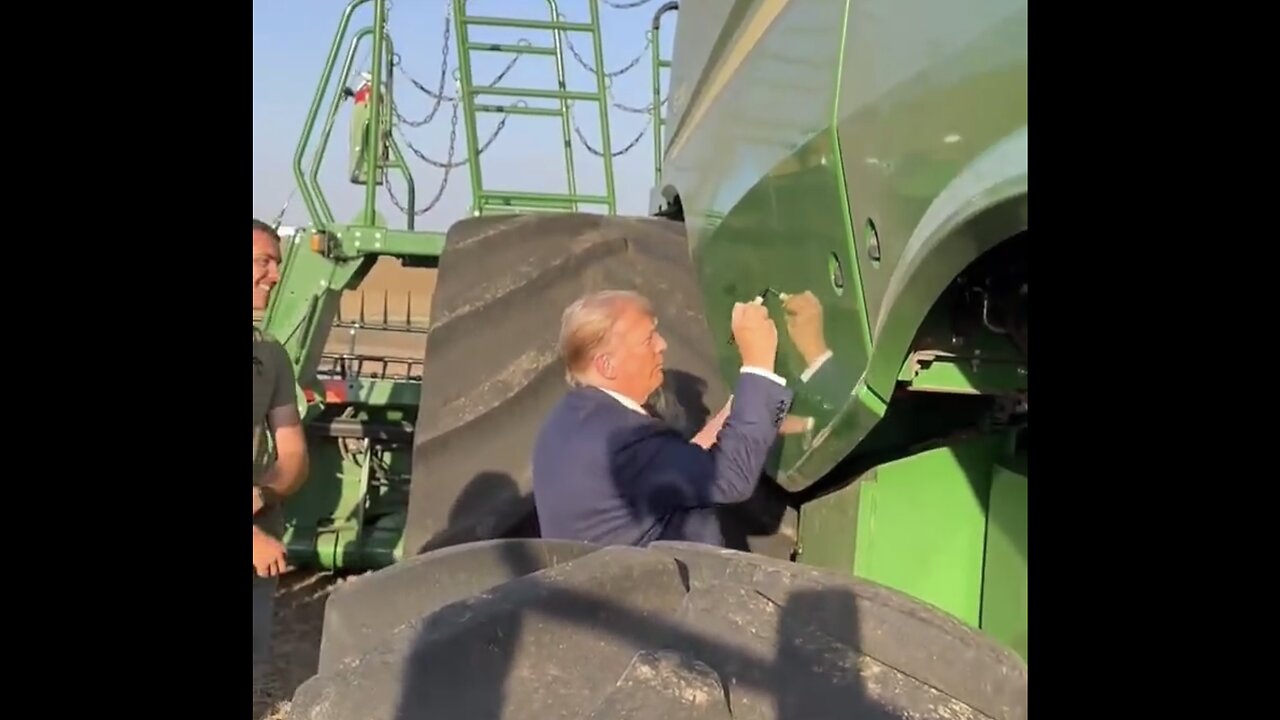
295,641
299,612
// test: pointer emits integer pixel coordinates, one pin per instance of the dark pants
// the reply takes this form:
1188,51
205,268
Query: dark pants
264,593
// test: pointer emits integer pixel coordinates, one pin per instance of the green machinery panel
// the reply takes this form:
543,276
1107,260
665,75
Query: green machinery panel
946,525
363,521
1004,598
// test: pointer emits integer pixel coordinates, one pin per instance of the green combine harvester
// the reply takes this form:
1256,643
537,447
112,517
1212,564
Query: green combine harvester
863,162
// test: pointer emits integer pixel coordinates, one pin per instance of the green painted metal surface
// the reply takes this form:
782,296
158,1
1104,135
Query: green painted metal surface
718,20
827,536
763,159
1004,598
657,64
870,152
922,526
759,177
947,525
351,512
935,143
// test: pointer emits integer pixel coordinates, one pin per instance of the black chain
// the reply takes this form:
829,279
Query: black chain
625,5
626,149
444,181
608,75
437,96
453,128
647,109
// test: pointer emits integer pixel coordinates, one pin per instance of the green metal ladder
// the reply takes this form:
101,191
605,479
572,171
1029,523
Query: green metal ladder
487,200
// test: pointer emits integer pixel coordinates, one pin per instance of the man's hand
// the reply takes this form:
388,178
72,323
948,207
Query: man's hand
795,425
257,501
755,335
706,437
268,554
804,325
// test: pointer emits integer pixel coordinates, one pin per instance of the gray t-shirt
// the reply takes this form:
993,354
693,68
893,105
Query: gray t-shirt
273,387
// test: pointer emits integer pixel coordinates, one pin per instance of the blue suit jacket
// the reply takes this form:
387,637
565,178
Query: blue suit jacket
604,473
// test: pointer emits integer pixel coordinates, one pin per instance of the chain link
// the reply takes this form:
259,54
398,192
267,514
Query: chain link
452,138
448,166
437,96
647,109
608,75
625,5
644,130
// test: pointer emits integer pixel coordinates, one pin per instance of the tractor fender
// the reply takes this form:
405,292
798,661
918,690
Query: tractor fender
985,204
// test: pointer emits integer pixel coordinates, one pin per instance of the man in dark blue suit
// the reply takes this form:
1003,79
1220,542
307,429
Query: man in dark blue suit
605,471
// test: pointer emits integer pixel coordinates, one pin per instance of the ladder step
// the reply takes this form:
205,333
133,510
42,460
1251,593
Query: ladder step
520,209
541,199
555,204
544,205
526,24
517,110
533,93
521,49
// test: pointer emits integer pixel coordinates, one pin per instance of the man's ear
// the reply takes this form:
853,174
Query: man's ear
604,366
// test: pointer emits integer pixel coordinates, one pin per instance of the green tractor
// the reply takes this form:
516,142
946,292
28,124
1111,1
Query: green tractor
862,166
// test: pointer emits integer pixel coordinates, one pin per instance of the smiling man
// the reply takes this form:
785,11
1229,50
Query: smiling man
275,412
605,471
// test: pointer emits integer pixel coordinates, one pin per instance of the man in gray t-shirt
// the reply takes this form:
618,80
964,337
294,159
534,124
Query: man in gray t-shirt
279,447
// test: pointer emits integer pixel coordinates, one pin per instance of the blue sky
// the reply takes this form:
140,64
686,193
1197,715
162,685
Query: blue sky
291,40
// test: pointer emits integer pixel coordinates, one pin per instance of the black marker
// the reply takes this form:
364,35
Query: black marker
758,300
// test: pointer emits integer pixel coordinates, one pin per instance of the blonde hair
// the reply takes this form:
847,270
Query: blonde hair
586,325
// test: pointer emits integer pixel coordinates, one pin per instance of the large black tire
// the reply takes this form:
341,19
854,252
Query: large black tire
362,612
491,372
672,631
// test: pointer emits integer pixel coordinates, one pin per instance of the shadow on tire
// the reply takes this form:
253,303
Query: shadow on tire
676,630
